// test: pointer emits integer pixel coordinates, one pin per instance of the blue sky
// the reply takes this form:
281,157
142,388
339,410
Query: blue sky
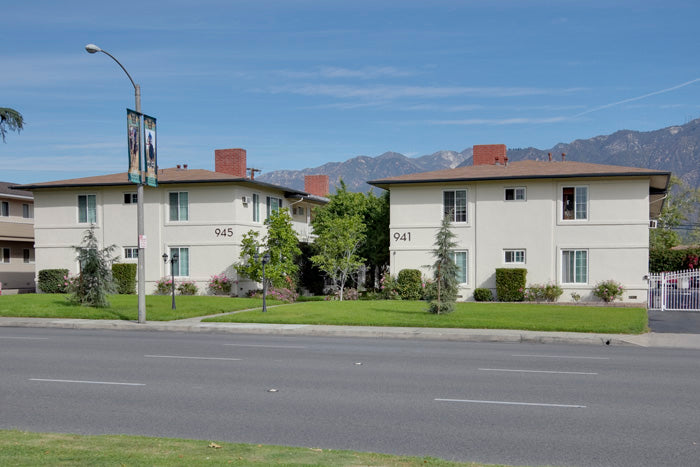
302,83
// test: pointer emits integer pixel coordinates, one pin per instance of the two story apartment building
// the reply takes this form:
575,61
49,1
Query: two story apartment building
16,240
568,223
199,214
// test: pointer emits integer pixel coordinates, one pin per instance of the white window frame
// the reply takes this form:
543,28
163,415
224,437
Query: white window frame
131,253
256,207
182,210
514,253
87,197
131,198
515,190
578,214
280,204
466,266
452,211
6,258
27,211
5,209
575,273
177,264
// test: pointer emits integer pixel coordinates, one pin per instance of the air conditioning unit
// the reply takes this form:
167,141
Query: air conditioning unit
245,199
652,223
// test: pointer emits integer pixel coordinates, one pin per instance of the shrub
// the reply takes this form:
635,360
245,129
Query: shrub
348,294
53,280
409,284
510,284
219,285
608,291
282,294
483,295
187,288
543,293
664,259
124,275
575,296
164,286
389,288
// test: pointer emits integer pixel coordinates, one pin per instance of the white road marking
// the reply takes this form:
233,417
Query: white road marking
539,371
85,382
25,338
269,346
562,356
191,358
513,403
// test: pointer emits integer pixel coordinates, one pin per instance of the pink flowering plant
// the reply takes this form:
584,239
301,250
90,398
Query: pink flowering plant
187,288
608,291
542,293
164,286
219,284
389,288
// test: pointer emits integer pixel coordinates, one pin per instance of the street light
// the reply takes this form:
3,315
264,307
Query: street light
265,260
92,48
173,260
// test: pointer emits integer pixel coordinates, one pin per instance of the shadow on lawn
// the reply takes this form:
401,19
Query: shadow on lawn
99,313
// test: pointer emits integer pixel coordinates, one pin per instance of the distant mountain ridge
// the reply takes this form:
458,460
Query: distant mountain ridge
675,148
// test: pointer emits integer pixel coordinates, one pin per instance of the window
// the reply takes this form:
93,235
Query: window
179,206
514,256
87,209
28,211
454,205
181,267
460,258
5,212
28,255
273,205
256,207
575,203
298,211
574,266
5,255
131,198
131,253
515,194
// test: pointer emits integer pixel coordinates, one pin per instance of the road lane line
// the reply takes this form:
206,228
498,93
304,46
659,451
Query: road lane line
536,404
563,356
85,382
191,358
539,371
25,338
269,346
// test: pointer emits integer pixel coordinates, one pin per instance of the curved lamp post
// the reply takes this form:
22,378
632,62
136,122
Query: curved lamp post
173,260
265,260
92,48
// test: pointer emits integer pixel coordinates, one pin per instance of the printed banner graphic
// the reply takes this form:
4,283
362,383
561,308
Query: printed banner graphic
150,149
133,128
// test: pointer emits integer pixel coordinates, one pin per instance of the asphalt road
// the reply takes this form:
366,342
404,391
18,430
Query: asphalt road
683,322
520,404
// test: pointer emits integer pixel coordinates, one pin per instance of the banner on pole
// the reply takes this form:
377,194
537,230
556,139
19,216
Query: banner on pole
150,150
133,128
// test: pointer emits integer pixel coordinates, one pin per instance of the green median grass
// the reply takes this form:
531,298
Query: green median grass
158,307
473,315
20,448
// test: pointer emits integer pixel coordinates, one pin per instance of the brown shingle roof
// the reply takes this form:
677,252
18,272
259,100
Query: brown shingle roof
6,190
526,170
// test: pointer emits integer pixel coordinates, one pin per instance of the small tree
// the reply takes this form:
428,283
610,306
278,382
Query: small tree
95,281
337,247
444,290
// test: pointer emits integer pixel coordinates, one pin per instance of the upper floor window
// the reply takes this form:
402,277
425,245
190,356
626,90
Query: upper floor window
181,266
515,194
256,207
514,256
574,202
273,205
28,255
454,205
298,211
87,209
179,206
574,266
5,209
130,198
28,211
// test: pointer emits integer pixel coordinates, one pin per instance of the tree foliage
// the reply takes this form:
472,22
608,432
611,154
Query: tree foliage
337,247
682,205
95,281
10,120
280,242
443,293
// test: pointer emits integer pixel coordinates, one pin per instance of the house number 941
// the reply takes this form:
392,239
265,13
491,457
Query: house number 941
402,237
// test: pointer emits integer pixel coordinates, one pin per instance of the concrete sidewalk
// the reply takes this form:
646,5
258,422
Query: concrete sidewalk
667,340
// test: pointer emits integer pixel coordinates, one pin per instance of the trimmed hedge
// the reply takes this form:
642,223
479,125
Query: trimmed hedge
124,275
410,284
510,284
662,260
483,295
53,280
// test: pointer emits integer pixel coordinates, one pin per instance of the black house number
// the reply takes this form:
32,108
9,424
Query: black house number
402,237
224,232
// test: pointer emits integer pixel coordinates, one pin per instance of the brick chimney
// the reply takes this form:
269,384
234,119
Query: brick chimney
231,162
489,154
316,185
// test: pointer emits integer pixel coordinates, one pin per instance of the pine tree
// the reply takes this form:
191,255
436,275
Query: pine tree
95,281
444,291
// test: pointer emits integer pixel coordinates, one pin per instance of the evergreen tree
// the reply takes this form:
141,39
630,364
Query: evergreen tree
10,120
95,281
443,293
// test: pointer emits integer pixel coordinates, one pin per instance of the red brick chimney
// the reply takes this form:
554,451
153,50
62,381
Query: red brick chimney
489,154
316,185
231,162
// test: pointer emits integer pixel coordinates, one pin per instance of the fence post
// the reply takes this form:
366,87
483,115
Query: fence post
663,291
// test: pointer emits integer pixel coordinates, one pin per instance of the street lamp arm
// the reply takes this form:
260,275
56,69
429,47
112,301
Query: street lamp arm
122,67
92,48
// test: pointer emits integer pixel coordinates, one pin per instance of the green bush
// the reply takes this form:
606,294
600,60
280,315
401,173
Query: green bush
510,284
187,288
53,280
664,259
410,284
389,288
124,275
543,293
164,286
608,291
483,295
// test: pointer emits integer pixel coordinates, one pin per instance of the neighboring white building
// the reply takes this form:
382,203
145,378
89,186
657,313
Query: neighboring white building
200,214
16,240
568,223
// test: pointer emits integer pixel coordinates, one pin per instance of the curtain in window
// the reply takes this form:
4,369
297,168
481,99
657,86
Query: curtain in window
174,207
574,266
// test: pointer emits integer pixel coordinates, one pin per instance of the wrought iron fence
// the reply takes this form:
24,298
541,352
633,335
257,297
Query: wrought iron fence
675,291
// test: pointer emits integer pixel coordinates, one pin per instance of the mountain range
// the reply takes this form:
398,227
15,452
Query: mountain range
675,148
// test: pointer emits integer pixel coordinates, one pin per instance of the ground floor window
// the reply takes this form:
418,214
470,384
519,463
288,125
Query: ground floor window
181,266
28,255
5,255
460,258
131,253
574,266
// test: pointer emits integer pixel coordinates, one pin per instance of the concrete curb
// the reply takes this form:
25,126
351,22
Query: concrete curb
680,341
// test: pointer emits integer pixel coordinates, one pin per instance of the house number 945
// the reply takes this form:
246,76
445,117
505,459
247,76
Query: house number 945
223,232
402,237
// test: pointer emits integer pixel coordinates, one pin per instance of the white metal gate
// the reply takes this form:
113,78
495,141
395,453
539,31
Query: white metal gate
674,291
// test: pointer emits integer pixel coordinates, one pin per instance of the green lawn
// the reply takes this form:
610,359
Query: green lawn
19,448
158,307
526,316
